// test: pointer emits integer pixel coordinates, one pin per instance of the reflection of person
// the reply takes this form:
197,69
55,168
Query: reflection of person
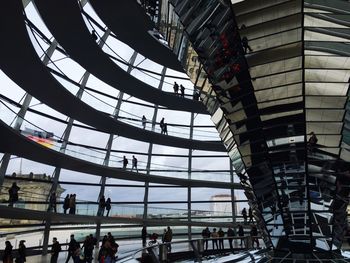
134,164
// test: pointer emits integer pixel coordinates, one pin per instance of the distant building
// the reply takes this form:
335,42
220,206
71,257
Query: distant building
219,206
31,191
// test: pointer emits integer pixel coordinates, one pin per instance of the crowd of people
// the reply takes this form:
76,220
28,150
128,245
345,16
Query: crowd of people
83,252
167,237
75,252
218,237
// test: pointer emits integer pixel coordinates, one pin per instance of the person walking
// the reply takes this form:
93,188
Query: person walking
7,255
182,90
72,204
72,248
230,235
101,206
66,204
55,250
144,121
134,164
221,234
13,194
21,252
176,88
161,125
88,249
125,162
165,129
108,206
52,202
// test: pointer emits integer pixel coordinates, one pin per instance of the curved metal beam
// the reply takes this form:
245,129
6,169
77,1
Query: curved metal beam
71,33
19,145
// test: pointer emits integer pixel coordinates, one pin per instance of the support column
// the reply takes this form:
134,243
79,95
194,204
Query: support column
66,134
150,149
109,145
